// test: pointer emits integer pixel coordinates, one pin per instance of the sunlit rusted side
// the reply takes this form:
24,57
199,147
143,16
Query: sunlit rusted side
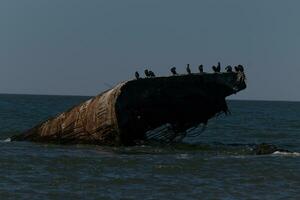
93,121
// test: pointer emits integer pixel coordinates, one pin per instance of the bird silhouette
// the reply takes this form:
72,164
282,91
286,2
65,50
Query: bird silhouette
241,68
151,74
228,68
137,75
219,67
214,68
173,70
200,68
188,69
236,69
147,73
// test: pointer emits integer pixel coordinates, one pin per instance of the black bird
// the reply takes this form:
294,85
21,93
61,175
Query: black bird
219,67
173,70
214,68
188,69
151,73
241,68
137,75
200,68
147,73
236,68
228,68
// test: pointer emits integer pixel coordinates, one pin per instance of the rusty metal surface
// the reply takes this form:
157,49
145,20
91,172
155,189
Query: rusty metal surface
93,121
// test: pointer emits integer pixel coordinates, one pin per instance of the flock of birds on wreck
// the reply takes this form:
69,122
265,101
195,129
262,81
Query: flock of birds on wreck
216,69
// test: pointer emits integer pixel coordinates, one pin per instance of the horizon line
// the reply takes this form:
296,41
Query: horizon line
79,95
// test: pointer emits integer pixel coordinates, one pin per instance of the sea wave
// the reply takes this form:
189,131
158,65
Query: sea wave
286,153
6,140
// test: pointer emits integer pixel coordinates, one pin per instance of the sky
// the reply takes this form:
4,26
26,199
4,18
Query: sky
82,47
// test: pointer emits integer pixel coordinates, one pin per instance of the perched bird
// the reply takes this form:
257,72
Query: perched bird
236,68
137,75
147,73
173,70
214,68
241,68
188,69
151,73
228,68
219,67
200,68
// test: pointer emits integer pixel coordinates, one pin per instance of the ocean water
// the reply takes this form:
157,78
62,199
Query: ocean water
218,164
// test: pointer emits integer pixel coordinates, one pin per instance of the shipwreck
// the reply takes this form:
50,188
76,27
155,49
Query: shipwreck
160,108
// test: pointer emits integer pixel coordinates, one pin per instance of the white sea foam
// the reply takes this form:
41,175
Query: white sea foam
286,153
183,156
6,140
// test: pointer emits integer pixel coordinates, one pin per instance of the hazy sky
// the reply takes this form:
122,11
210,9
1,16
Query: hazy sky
80,47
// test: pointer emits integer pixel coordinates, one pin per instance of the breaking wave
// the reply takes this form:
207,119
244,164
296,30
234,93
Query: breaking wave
282,153
5,141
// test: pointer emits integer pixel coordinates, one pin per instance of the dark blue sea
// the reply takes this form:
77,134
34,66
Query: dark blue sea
218,164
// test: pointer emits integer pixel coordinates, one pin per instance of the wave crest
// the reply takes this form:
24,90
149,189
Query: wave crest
286,153
6,140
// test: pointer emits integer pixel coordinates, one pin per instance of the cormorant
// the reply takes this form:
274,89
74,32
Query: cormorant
236,68
137,75
173,70
151,73
188,69
147,73
228,68
219,67
200,68
241,68
214,68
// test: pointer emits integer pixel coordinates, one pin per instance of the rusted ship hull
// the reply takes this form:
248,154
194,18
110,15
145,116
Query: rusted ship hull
123,115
